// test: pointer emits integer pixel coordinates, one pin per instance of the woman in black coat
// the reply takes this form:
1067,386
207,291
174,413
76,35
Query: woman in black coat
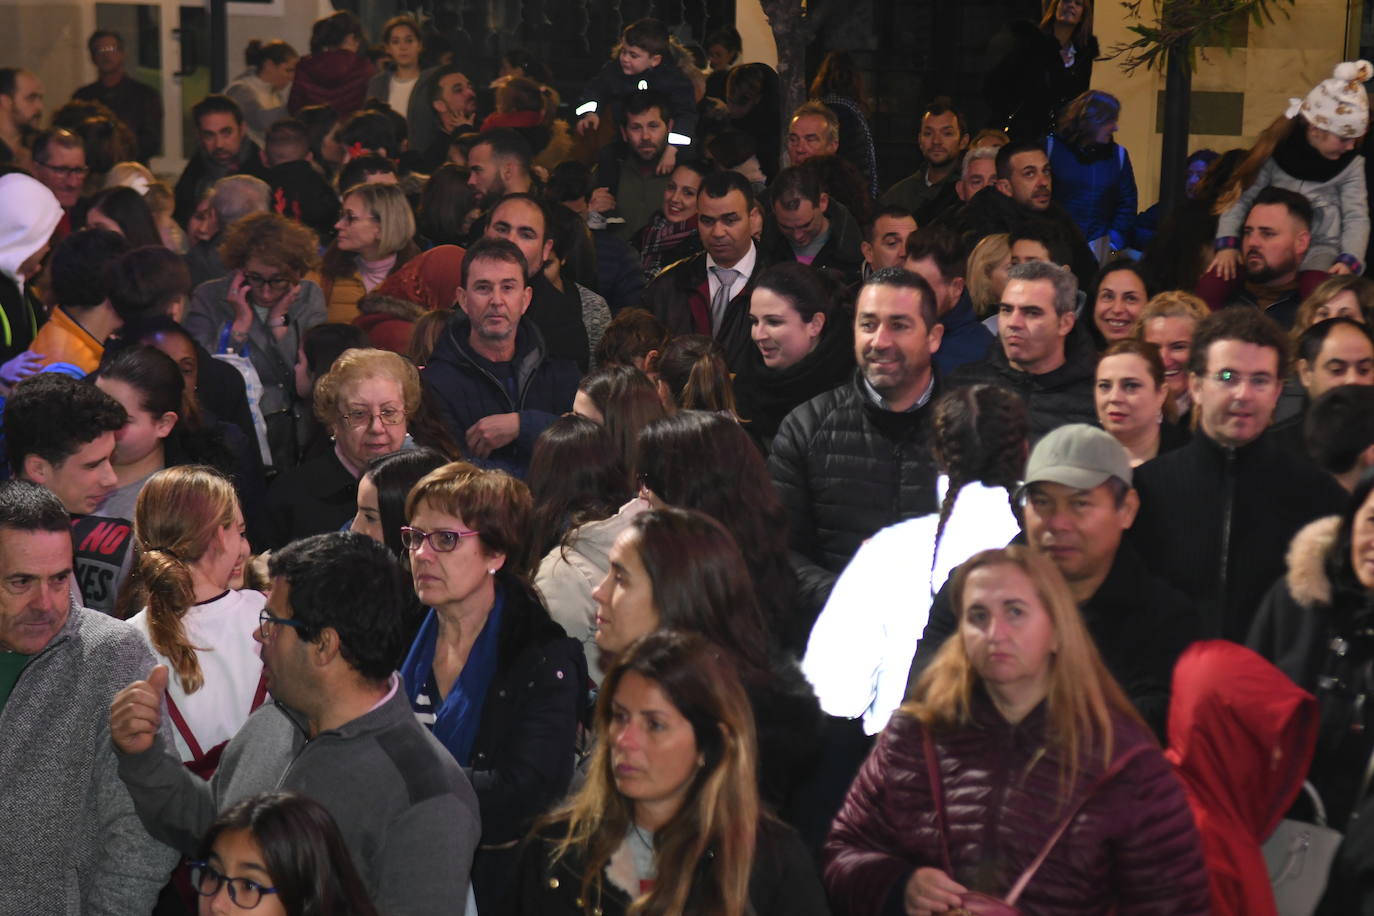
669,817
804,346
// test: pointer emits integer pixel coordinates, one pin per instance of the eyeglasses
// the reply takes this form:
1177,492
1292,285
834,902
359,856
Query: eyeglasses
439,541
105,49
349,217
361,419
1229,378
244,894
66,171
276,281
267,625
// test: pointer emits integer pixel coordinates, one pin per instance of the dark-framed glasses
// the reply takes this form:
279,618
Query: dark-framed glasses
267,625
244,893
66,171
275,282
441,541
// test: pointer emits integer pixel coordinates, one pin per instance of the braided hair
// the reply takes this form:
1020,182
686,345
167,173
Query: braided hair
980,435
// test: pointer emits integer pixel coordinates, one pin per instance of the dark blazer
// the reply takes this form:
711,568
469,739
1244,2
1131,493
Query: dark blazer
679,297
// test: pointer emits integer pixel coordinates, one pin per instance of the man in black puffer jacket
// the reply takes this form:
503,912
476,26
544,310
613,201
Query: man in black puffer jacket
496,387
856,459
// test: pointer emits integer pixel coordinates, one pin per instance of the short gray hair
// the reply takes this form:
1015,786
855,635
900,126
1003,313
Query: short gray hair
975,154
239,195
1065,283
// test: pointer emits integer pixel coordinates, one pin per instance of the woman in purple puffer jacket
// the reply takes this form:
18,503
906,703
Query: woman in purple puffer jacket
1027,732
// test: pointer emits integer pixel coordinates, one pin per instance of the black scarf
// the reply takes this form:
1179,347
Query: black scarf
1297,157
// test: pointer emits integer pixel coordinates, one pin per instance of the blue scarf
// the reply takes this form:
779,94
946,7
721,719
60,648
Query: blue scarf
457,720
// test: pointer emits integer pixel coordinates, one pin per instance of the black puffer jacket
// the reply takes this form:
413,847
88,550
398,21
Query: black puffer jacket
1053,399
845,468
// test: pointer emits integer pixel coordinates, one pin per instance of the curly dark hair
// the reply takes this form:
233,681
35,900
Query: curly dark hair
353,585
1245,324
273,239
53,416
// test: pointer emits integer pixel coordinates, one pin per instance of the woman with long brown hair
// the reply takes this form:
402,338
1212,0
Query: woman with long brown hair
1016,748
669,820
189,533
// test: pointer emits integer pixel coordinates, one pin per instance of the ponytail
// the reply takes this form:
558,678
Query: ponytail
1245,173
179,512
166,581
693,367
708,385
276,51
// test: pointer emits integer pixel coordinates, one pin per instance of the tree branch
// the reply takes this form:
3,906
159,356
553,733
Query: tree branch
1183,26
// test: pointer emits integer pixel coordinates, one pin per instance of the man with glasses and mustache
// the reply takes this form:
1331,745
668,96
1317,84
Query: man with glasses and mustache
340,730
136,104
1217,515
72,842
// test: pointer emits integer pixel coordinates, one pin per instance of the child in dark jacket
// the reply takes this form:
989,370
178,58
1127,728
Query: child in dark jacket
643,60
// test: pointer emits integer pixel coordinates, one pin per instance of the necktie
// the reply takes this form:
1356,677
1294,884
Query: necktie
726,277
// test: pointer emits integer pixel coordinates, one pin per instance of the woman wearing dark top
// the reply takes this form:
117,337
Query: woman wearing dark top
367,400
804,347
490,674
1036,70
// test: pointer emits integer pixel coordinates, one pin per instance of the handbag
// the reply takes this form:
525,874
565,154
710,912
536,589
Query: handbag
1299,856
976,903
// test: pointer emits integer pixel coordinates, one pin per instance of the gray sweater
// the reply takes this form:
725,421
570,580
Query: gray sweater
71,843
406,811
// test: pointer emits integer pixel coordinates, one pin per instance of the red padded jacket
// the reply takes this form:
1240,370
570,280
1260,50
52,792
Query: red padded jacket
1131,849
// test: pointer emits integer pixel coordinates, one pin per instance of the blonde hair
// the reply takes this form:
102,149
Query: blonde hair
388,204
1329,289
358,365
721,810
1173,303
134,175
178,513
986,255
1082,696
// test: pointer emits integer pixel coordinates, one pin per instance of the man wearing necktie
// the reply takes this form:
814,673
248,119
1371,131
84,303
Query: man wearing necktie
708,293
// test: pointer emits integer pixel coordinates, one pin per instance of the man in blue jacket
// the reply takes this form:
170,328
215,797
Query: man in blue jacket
496,386
936,253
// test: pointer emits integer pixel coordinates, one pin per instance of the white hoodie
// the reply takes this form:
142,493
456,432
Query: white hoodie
29,213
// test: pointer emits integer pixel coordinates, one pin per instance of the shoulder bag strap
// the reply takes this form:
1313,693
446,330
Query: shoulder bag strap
1117,766
184,730
937,796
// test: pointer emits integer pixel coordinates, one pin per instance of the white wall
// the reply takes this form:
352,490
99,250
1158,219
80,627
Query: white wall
756,33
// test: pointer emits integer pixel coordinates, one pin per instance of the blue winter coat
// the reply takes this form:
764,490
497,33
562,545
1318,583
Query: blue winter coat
1097,187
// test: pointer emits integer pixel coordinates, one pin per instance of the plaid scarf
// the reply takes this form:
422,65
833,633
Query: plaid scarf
661,237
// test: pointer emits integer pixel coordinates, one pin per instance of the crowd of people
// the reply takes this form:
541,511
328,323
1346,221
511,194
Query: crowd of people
440,498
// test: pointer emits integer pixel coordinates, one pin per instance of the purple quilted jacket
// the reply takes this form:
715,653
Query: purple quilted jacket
1132,849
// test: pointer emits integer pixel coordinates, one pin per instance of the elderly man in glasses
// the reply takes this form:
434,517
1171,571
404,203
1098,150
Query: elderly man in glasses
340,730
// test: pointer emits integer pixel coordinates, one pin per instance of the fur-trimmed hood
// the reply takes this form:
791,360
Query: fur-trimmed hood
1307,580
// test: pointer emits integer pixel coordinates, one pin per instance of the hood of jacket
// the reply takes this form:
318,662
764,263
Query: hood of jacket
336,69
28,216
1306,578
1241,735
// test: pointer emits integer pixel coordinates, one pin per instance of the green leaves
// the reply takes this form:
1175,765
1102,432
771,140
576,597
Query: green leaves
1184,26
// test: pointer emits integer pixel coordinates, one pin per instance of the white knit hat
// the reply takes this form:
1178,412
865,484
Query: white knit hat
1339,104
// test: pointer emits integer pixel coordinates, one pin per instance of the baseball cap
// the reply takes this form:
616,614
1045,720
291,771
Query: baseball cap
1078,456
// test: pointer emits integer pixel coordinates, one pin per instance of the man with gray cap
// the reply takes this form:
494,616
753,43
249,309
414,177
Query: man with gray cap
1078,503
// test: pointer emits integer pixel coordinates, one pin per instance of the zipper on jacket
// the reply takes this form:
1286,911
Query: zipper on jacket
1228,499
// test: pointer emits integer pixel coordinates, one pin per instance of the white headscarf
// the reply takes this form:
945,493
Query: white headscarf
29,213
